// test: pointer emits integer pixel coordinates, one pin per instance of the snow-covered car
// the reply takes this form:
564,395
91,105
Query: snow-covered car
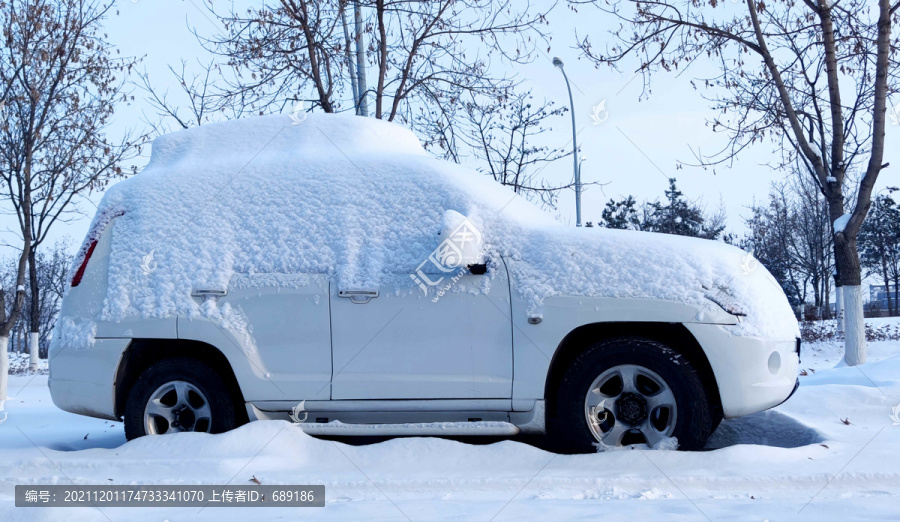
331,272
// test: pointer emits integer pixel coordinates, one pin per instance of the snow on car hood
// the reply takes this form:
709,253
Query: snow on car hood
359,199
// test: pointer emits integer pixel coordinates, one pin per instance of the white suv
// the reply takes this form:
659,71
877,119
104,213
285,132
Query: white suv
332,273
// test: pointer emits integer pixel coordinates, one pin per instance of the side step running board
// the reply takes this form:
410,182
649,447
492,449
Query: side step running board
423,429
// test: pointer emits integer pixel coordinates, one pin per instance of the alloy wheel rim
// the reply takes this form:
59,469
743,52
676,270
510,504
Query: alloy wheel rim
630,404
177,406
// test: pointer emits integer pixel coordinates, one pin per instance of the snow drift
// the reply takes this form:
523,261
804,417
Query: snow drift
361,200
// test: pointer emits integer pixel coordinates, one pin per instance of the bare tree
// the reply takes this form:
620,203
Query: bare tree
433,72
791,236
425,54
428,51
275,51
53,266
63,89
500,138
770,238
198,100
811,244
812,77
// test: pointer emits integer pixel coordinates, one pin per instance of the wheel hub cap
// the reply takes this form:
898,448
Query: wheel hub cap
184,418
631,408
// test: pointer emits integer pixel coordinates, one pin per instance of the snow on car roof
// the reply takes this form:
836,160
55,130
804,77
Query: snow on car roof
361,200
286,137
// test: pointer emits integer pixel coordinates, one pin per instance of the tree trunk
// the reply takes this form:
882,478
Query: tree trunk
855,340
817,296
839,311
846,253
897,290
846,258
35,310
382,56
7,322
360,60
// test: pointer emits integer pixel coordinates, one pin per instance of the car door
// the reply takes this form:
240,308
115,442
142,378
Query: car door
434,334
285,348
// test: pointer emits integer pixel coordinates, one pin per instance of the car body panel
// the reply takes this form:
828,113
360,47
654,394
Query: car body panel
536,344
275,360
478,351
299,365
747,382
279,368
82,380
403,345
85,301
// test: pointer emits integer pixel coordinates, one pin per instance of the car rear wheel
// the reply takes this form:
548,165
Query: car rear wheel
178,395
628,391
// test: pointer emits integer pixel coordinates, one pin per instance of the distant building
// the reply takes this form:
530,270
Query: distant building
878,297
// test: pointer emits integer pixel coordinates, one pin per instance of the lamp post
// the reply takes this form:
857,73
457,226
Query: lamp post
559,63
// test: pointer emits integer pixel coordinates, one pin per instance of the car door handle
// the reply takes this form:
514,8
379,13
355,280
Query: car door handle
209,294
359,296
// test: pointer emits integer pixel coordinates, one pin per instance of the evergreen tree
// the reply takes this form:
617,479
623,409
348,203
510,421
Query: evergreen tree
879,244
622,214
674,215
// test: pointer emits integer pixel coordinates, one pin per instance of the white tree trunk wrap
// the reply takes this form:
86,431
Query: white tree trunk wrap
855,325
839,313
33,349
4,369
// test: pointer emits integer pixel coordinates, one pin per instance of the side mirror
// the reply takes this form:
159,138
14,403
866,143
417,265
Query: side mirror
461,247
461,242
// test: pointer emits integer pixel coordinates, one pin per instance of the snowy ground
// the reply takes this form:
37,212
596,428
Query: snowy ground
801,461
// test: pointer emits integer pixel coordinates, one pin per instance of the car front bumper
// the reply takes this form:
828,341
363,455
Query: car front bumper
752,374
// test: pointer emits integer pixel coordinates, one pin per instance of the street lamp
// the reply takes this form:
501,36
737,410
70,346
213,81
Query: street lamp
559,63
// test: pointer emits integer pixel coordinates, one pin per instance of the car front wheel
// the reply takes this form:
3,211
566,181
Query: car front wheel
628,391
178,395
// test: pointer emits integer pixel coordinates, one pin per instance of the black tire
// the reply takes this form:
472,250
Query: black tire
568,429
224,414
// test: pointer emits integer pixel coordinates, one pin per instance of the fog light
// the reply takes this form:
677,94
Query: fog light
774,363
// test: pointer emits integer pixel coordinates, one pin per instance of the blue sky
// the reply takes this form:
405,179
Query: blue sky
633,151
